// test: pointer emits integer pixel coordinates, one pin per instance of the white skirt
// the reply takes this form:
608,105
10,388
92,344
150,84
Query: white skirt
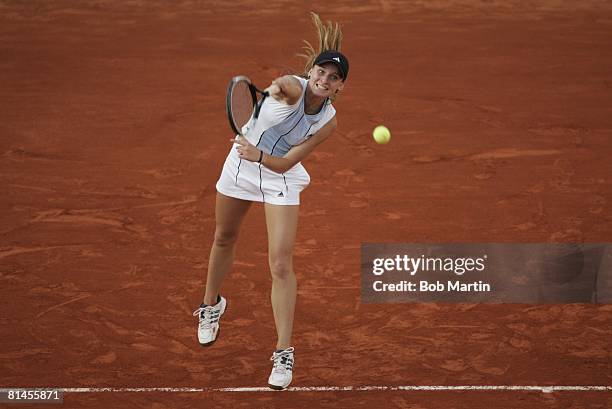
246,180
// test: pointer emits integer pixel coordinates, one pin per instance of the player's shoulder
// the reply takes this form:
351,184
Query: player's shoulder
329,118
299,79
330,111
300,84
292,89
333,121
295,80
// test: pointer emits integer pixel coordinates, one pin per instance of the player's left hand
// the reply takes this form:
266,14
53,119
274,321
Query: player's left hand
246,150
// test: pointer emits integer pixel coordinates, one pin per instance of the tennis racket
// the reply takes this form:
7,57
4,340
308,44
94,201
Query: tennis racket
243,104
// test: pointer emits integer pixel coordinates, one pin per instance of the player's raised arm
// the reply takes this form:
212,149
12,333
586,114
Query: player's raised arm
286,89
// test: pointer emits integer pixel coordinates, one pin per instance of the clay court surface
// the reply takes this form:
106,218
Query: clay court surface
112,136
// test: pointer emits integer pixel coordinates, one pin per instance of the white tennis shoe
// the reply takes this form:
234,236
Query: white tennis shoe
282,370
209,315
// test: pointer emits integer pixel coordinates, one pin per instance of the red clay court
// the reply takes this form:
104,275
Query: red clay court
112,136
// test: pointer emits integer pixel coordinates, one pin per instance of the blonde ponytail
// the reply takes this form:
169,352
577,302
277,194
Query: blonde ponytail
329,36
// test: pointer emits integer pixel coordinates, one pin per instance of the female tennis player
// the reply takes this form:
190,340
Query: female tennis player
265,166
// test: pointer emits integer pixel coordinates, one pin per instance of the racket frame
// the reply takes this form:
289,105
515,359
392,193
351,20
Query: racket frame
257,104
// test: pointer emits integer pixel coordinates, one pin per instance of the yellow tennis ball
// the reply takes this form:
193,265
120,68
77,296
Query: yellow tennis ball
381,134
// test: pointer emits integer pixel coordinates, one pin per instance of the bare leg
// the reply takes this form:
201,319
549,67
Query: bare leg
282,224
229,213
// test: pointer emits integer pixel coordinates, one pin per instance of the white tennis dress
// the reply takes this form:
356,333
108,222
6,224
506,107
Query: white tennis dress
279,128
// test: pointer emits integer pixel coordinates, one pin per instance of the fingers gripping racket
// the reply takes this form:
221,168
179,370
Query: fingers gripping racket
243,105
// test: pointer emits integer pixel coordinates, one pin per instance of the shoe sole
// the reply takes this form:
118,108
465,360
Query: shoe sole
277,388
218,332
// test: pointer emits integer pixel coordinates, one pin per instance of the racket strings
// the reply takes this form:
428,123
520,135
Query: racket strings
242,104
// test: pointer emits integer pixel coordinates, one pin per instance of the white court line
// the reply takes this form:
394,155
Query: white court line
528,388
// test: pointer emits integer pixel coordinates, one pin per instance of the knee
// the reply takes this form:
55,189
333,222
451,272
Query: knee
281,268
225,238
